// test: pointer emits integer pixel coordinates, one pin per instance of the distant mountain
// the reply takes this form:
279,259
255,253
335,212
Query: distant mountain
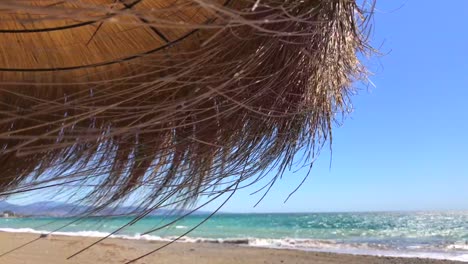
58,209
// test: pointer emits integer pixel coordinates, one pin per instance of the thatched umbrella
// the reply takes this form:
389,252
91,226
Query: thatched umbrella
169,99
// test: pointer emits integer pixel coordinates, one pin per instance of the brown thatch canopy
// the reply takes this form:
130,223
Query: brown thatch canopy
169,99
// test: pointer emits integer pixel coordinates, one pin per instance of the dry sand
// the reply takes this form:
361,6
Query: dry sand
56,249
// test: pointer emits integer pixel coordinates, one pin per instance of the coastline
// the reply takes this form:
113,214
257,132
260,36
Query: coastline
57,248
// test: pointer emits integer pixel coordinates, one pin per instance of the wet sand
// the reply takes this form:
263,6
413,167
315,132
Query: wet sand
56,249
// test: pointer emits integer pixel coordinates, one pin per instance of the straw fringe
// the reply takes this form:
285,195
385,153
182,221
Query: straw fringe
161,99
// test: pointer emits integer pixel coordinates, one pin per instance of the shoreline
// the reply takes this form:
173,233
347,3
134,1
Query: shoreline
56,248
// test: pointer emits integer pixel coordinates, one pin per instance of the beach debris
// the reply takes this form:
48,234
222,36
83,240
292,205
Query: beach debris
47,236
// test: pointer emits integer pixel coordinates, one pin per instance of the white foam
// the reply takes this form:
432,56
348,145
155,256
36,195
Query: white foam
286,243
357,249
83,234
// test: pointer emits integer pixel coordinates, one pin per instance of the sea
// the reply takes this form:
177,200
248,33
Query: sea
436,235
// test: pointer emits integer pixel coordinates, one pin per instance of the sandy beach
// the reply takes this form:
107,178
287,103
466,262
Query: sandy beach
56,249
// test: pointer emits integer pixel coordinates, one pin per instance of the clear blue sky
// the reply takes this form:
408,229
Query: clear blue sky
405,147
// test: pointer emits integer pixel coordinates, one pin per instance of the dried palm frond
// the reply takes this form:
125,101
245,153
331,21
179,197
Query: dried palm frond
168,100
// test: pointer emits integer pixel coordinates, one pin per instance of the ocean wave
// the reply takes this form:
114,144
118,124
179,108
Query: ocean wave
455,251
364,248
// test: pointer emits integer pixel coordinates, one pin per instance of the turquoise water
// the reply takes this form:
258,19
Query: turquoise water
422,234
